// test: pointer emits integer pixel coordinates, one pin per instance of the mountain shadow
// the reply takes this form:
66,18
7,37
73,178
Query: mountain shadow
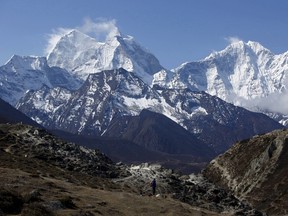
157,132
8,114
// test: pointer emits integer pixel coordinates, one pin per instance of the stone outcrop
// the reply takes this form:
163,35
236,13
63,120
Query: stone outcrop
30,142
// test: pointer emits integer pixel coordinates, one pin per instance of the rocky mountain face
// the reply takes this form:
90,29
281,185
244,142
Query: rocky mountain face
245,74
113,94
215,121
256,171
97,101
156,132
43,175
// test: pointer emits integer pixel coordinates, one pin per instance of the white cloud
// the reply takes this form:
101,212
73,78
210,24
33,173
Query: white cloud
232,40
277,102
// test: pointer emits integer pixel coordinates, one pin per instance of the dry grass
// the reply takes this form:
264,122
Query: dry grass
60,197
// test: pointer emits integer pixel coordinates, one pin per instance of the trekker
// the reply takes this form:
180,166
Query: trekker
153,185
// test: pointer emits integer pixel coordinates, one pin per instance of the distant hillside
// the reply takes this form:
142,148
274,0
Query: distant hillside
128,152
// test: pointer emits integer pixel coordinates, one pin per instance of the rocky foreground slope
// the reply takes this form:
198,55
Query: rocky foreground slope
256,170
42,175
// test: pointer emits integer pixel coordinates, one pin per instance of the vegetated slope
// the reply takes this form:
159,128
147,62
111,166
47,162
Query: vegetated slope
35,195
256,170
42,175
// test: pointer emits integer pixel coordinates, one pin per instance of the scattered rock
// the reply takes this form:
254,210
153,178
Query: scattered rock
39,144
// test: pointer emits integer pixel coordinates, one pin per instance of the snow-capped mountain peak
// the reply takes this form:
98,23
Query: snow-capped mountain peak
20,74
23,73
234,47
245,74
82,55
251,48
71,50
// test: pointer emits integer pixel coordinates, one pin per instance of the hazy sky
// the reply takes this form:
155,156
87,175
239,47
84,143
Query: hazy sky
175,31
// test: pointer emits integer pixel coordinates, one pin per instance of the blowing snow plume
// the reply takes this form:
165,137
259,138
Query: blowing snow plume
102,30
54,37
232,40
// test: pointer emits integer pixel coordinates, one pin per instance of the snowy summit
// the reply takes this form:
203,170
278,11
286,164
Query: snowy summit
82,55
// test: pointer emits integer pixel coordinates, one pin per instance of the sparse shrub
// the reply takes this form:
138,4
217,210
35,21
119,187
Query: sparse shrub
36,209
33,196
1,213
10,202
83,213
35,175
67,202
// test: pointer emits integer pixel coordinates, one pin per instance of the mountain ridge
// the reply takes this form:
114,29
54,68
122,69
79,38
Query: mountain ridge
88,106
255,170
107,94
245,74
21,74
159,133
